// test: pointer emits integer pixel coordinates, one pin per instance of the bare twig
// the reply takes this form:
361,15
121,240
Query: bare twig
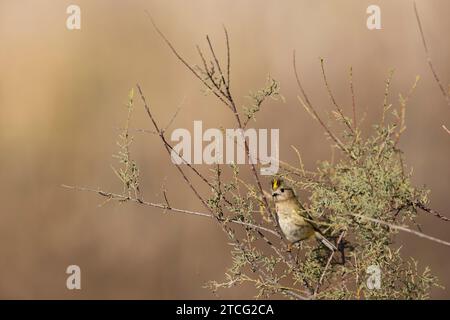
432,211
446,129
210,74
169,148
228,57
172,119
403,103
402,228
218,65
166,199
333,100
353,99
179,57
430,63
322,276
307,104
166,206
387,106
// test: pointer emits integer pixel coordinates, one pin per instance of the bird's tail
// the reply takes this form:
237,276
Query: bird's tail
325,241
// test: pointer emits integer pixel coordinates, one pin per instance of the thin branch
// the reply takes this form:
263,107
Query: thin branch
140,130
172,119
228,56
309,107
118,197
445,128
430,63
353,98
333,100
218,66
179,57
386,107
166,199
402,228
432,211
403,103
210,75
167,145
322,276
169,148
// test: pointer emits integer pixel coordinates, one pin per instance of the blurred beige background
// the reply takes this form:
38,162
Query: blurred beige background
61,98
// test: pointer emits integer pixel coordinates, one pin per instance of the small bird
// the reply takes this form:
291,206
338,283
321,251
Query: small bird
293,219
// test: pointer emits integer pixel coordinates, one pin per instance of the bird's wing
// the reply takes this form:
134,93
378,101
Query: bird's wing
305,214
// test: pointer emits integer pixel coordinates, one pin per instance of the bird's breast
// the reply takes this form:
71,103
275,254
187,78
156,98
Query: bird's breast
292,224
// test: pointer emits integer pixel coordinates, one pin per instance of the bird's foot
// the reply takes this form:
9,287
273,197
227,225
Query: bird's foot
289,247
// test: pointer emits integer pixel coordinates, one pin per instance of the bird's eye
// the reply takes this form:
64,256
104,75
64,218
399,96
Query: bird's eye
282,189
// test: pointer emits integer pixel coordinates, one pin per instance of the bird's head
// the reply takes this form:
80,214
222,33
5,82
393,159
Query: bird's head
280,191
